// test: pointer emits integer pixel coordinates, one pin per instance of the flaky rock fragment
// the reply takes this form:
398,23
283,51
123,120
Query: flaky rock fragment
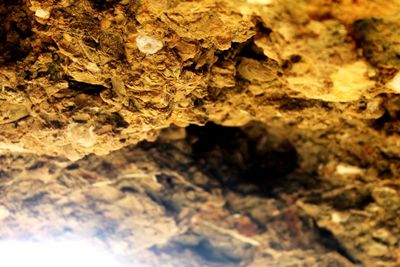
42,13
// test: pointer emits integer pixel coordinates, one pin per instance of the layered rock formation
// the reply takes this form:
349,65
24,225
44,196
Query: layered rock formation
239,133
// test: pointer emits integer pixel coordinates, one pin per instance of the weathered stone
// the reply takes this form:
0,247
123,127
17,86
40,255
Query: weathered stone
245,133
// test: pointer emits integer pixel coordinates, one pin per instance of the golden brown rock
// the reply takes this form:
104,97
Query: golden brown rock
312,180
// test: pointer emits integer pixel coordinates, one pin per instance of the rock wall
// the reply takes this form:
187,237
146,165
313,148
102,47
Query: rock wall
253,133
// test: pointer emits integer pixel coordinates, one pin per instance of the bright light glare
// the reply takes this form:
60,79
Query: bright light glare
53,254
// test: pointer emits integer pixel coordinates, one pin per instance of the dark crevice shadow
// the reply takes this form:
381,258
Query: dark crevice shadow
243,159
329,241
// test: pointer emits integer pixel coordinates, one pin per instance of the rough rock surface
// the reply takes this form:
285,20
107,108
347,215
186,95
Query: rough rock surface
294,159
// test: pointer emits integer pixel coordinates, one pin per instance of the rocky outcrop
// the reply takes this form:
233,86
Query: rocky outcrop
253,133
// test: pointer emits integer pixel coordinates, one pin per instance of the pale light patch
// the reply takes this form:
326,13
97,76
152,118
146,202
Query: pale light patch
394,84
49,254
4,213
42,13
349,83
148,45
343,169
4,147
260,2
246,10
339,217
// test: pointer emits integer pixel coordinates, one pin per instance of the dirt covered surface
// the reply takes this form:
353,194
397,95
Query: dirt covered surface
204,133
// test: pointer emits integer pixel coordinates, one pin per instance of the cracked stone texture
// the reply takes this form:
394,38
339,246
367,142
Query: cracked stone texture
313,181
74,81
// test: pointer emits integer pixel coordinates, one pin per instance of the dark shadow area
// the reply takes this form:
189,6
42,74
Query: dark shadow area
87,88
377,39
246,159
327,239
389,122
252,168
102,5
15,30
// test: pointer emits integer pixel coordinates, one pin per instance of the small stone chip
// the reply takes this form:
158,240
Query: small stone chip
148,45
42,13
